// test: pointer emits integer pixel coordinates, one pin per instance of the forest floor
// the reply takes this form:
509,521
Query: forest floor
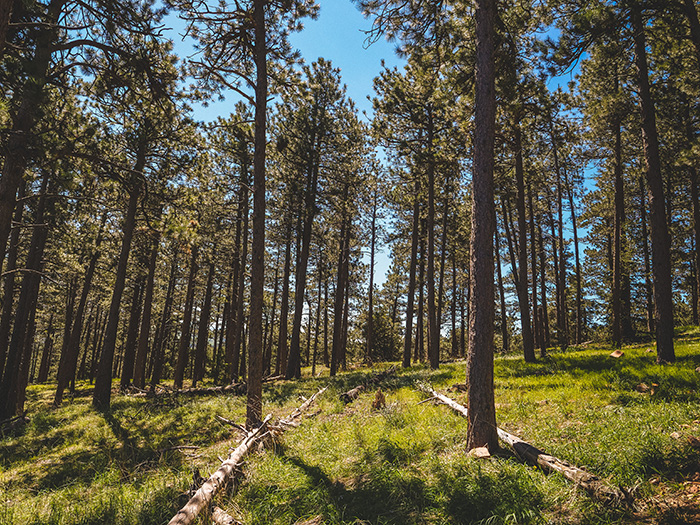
629,421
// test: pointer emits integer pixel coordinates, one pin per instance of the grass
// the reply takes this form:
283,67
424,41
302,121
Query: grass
404,464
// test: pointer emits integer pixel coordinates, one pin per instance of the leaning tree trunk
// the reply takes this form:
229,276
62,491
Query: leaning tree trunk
480,397
660,239
69,354
103,380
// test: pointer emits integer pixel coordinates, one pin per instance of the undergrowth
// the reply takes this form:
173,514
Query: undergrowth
627,420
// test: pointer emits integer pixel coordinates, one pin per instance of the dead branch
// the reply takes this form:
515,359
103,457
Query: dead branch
378,377
593,485
205,494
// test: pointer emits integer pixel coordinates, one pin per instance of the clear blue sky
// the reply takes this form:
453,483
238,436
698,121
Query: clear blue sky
336,35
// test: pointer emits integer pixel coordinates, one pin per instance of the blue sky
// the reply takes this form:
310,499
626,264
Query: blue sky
336,35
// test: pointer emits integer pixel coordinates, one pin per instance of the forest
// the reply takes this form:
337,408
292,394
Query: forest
528,177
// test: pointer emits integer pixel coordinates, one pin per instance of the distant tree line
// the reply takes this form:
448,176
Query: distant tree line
517,215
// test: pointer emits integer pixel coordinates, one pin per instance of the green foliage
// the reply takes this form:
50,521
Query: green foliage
405,463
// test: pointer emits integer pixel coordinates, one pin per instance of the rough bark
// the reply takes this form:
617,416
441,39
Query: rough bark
257,274
132,336
523,302
16,373
9,285
480,397
139,370
340,291
309,212
433,331
200,353
103,379
186,331
660,238
16,149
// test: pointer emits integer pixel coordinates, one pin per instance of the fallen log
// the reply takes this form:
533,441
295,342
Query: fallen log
235,389
221,517
354,393
591,483
205,494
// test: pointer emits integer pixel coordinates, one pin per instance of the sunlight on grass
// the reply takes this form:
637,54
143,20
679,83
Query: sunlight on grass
627,420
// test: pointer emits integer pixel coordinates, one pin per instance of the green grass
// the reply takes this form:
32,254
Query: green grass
404,464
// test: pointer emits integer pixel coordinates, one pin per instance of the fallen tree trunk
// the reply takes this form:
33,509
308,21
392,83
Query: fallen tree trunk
235,389
354,393
205,494
592,484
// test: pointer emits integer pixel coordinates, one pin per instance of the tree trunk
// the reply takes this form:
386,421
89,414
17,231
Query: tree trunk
103,379
294,361
370,307
501,291
163,333
9,289
480,397
239,322
47,354
433,331
544,339
132,336
533,258
562,306
579,293
661,242
617,237
340,290
183,353
200,354
419,352
408,335
523,302
139,364
282,348
257,273
16,374
69,353
267,365
443,262
20,136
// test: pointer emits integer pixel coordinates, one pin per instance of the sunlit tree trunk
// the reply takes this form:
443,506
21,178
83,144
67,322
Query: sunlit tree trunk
481,430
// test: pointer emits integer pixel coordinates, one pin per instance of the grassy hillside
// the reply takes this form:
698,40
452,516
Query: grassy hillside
627,420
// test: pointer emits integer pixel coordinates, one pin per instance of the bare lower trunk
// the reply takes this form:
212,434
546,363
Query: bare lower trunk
480,397
408,334
257,273
661,241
